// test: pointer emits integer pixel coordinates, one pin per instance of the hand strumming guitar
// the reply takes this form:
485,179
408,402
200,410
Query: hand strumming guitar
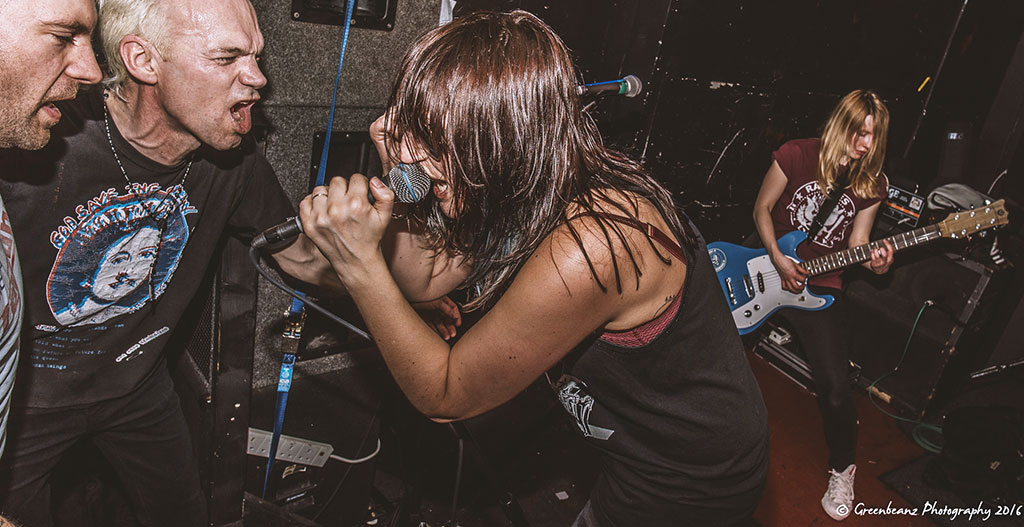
793,276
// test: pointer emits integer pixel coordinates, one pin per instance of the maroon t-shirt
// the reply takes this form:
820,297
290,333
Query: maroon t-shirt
799,204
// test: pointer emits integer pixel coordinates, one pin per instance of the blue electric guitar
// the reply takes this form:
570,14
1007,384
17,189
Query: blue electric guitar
753,287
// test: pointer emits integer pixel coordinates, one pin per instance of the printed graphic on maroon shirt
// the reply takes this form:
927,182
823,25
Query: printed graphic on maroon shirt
804,207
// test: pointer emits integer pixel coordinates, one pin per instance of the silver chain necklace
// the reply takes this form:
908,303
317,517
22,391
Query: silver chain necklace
161,219
110,141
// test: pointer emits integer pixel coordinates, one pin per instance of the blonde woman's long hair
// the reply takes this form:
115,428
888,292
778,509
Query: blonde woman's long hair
866,178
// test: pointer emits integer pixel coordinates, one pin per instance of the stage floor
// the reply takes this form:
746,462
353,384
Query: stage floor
551,476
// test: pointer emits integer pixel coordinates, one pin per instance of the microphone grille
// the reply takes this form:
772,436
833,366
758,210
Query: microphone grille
409,182
633,85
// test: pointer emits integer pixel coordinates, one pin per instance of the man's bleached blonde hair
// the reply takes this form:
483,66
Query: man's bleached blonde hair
119,18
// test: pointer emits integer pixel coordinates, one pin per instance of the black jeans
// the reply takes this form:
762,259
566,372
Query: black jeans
144,437
825,340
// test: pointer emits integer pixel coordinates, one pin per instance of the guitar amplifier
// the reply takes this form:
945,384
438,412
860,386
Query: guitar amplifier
910,359
902,208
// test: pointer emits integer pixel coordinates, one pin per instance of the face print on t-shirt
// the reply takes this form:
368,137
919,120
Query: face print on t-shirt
119,254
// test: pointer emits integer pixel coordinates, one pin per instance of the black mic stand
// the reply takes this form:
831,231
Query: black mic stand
509,504
996,369
406,513
935,80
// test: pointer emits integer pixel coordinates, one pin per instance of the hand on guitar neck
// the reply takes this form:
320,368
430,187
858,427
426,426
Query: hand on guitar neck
794,276
881,259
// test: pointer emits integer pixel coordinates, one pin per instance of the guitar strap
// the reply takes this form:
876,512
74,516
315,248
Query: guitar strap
828,205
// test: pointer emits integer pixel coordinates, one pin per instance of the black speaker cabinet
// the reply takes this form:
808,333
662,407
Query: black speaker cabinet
211,362
955,151
884,314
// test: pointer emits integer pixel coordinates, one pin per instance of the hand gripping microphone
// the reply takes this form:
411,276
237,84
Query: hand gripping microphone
629,86
409,182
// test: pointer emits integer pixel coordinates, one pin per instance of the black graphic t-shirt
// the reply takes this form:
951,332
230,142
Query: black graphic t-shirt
109,266
802,198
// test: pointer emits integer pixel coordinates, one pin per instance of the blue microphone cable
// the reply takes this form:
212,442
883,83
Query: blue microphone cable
296,313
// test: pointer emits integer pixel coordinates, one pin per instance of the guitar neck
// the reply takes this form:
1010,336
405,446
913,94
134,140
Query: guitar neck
862,253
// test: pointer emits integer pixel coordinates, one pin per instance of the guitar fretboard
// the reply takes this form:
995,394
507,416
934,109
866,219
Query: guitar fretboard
862,253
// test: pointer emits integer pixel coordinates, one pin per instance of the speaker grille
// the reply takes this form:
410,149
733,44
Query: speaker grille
200,358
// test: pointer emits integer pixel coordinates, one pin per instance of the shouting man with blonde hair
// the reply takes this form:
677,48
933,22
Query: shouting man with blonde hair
118,217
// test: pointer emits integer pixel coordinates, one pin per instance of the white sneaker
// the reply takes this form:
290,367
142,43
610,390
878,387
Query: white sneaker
838,499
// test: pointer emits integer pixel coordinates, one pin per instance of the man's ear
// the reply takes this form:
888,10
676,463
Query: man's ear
141,59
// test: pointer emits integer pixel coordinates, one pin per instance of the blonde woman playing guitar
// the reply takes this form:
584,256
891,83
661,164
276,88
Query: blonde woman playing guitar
847,157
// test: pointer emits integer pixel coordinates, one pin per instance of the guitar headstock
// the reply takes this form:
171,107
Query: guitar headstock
965,223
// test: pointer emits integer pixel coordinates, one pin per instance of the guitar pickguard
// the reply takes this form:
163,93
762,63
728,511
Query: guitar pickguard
769,296
752,286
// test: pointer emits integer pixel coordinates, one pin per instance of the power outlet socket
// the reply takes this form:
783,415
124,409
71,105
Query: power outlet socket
291,449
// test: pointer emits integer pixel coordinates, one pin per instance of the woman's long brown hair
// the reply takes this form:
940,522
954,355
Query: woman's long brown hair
493,97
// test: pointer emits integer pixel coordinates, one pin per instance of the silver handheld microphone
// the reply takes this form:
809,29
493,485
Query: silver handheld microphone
409,182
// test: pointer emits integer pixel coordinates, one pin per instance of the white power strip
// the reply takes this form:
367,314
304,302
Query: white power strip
292,449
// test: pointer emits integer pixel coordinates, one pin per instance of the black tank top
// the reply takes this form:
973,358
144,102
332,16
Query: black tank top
680,421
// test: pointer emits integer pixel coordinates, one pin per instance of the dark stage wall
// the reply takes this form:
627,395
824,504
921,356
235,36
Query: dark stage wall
300,61
726,82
